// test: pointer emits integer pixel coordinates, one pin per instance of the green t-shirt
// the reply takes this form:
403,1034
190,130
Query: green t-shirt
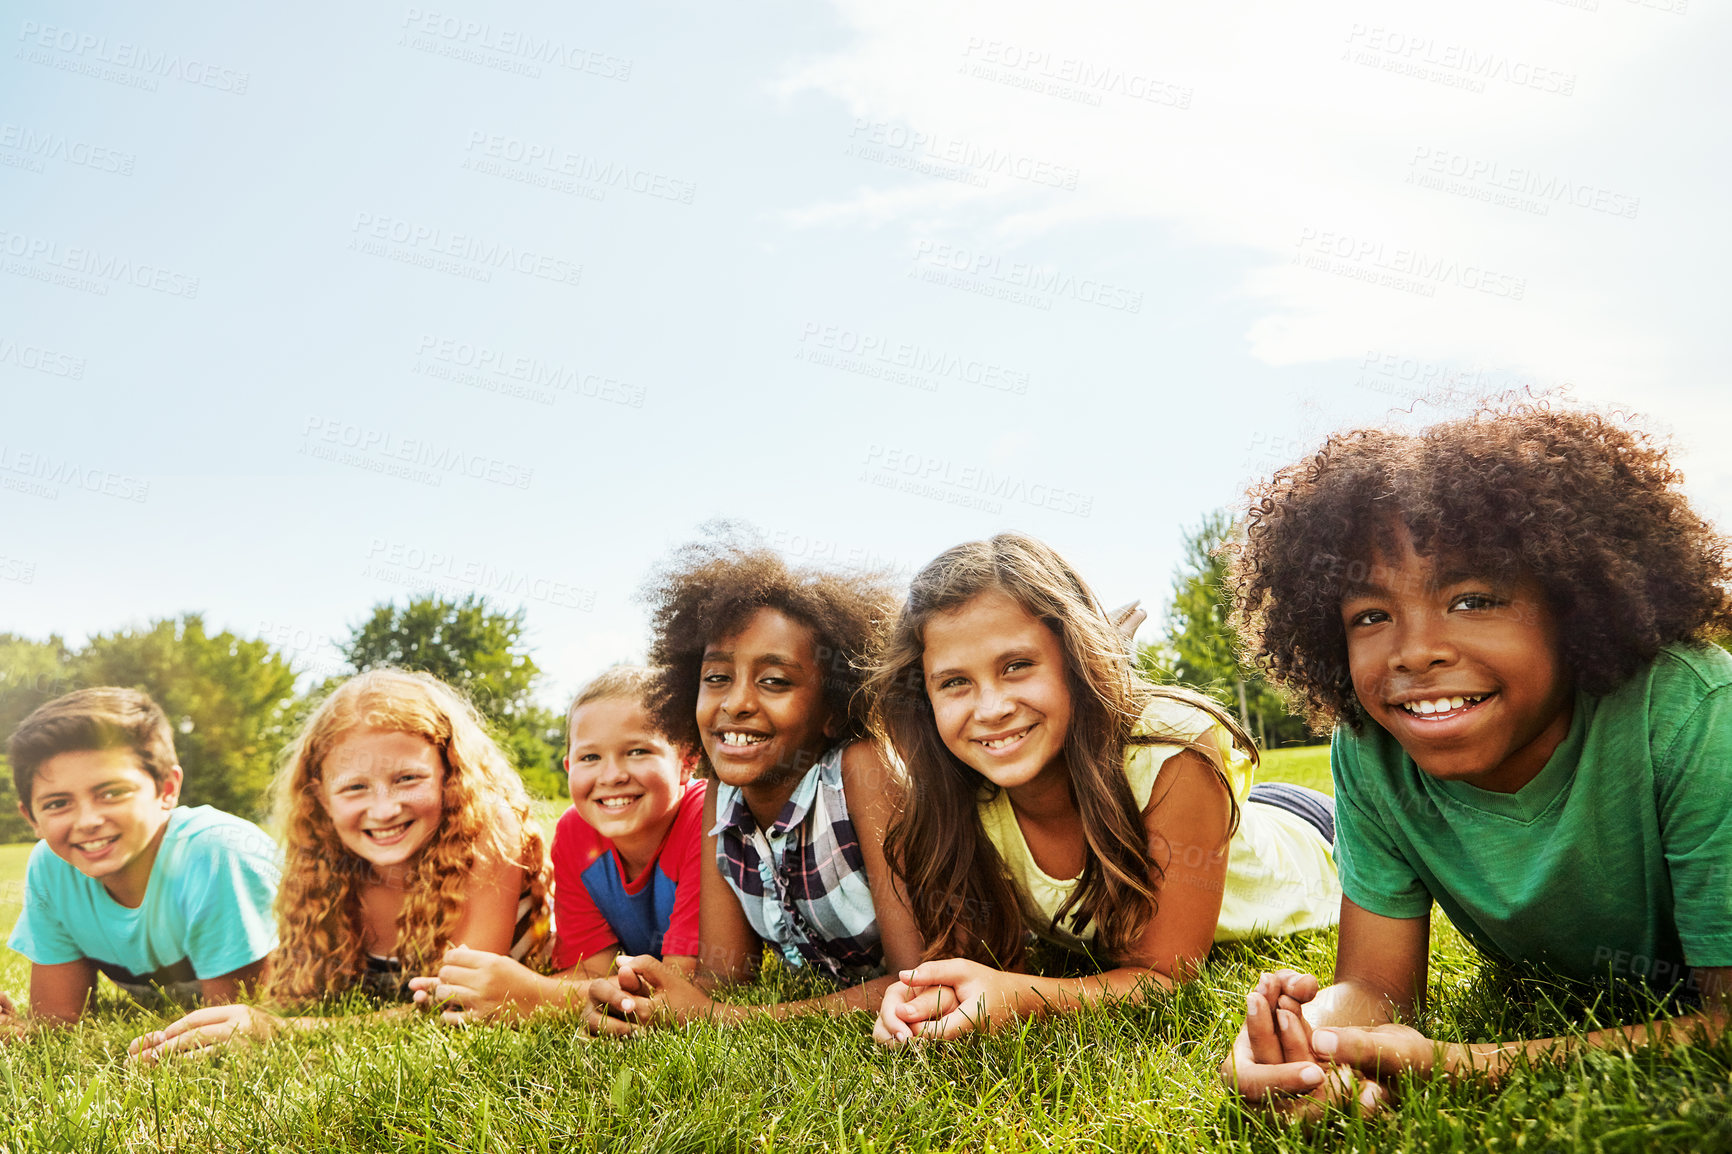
1616,859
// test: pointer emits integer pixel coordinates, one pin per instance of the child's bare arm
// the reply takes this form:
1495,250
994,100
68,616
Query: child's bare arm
728,950
58,993
490,907
1384,1051
473,985
874,795
232,986
1187,823
649,990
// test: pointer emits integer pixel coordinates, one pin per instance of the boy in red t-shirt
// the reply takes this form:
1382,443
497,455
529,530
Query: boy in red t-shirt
625,863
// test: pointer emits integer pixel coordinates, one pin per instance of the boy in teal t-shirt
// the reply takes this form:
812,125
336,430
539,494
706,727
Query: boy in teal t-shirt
164,900
1506,617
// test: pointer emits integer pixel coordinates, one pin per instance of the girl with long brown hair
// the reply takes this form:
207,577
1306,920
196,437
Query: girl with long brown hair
1052,790
406,831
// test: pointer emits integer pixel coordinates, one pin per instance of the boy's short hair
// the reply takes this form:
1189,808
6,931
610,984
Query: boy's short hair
107,717
633,682
1589,507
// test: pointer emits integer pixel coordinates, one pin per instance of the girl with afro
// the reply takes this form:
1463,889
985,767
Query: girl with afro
407,831
761,669
1506,618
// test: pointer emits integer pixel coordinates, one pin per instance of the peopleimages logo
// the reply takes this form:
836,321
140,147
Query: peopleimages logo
902,362
85,51
41,360
1362,258
959,483
549,165
40,146
104,268
1023,278
477,257
411,458
471,40
1512,186
50,470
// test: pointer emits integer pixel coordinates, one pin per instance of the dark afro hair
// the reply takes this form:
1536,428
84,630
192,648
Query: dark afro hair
1587,506
711,588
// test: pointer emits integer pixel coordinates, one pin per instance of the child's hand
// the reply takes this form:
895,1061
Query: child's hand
11,1021
473,985
203,1029
645,991
1126,618
1379,1051
905,1007
1275,1062
979,997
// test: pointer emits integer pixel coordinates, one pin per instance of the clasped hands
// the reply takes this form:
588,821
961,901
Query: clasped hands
1294,1071
946,999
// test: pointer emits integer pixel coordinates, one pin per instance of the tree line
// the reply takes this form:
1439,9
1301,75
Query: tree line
233,700
234,704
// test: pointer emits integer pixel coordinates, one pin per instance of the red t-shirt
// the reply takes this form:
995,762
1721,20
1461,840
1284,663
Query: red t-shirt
596,907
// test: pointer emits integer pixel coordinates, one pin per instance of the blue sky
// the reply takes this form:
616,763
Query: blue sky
307,309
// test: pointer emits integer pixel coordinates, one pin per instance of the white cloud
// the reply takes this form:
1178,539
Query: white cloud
1271,133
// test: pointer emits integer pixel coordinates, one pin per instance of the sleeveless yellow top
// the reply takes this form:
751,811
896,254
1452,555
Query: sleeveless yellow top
1280,872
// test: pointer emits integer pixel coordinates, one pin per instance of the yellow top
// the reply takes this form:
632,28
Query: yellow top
1280,872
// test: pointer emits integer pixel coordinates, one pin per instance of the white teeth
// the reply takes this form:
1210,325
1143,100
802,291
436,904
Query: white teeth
1000,743
615,802
730,737
1441,704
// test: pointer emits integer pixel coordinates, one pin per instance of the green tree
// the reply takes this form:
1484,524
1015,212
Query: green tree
229,700
31,672
1200,648
480,651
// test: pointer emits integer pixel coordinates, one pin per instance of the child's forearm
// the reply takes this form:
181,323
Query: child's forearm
1041,996
1493,1059
561,992
866,996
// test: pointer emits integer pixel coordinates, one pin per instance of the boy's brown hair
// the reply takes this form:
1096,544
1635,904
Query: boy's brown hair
107,717
631,682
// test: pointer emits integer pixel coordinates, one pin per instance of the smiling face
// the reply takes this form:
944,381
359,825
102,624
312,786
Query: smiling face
1464,671
761,712
626,779
101,812
995,675
384,791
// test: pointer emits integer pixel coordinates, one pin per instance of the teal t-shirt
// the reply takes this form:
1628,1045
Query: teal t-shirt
1616,858
206,910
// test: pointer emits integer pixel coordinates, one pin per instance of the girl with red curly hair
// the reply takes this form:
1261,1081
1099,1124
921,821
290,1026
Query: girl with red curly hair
407,831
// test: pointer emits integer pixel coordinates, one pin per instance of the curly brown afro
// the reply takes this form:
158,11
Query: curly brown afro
1588,506
712,587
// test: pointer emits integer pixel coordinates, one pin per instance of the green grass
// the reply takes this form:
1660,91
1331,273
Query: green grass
1302,765
1138,1075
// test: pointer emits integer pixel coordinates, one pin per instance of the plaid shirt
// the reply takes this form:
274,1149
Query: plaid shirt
802,884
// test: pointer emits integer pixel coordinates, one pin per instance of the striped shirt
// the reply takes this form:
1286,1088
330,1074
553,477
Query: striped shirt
802,883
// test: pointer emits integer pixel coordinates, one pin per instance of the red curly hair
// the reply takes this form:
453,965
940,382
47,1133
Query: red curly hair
485,817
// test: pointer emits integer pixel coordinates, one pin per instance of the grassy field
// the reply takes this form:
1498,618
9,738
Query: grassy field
1139,1075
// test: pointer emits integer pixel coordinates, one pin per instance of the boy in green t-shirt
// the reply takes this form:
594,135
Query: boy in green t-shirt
1518,603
